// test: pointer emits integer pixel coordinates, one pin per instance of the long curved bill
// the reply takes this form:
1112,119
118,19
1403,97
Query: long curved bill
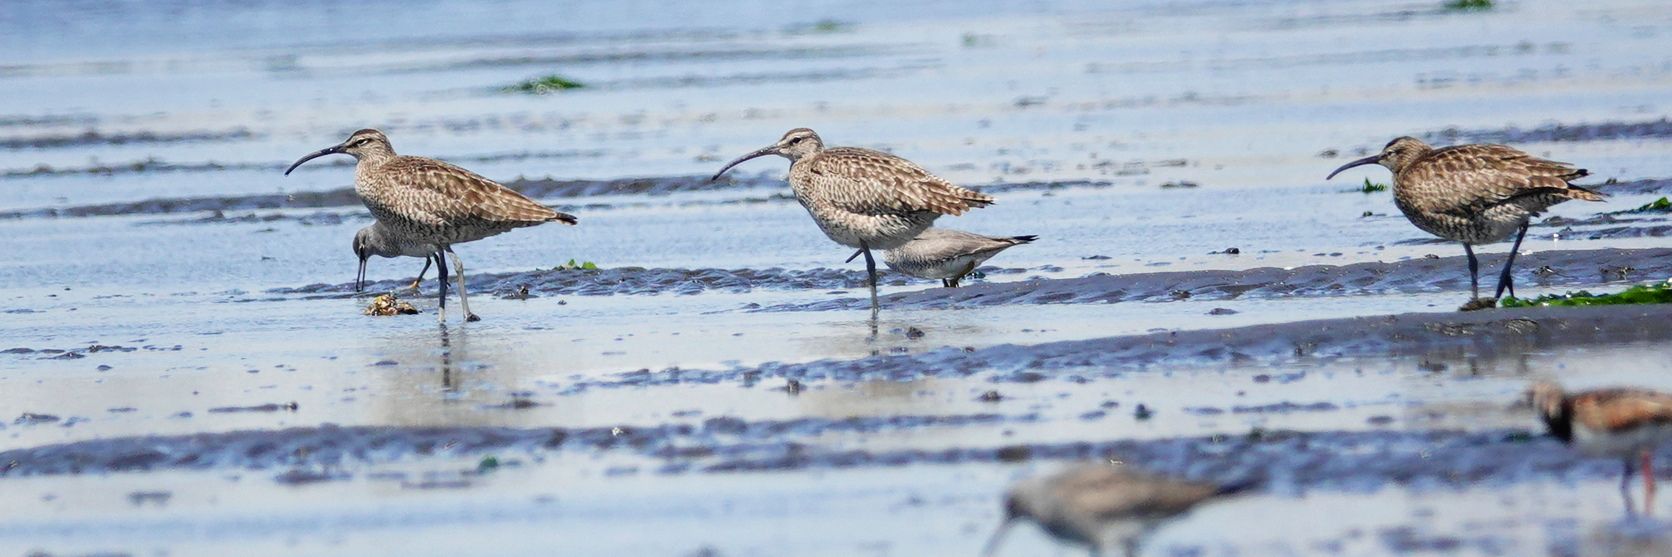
764,151
1361,162
332,150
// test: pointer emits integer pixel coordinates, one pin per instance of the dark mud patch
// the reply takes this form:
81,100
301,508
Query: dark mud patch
1428,335
94,137
1278,461
332,445
1596,131
1551,268
628,281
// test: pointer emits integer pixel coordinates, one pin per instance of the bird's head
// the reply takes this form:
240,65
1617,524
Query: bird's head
364,144
794,145
1398,154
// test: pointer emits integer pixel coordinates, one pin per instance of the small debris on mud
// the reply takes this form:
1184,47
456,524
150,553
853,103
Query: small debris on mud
1142,412
1222,311
385,305
32,418
158,498
793,387
914,333
1179,184
990,396
269,407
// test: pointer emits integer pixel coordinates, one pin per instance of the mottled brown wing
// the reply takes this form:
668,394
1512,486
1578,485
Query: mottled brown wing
864,177
450,194
1478,177
1621,409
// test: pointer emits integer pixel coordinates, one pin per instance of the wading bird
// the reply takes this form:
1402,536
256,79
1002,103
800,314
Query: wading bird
862,198
427,202
1475,194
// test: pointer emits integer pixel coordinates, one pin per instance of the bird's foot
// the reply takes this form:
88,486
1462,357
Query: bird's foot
1479,304
471,318
414,285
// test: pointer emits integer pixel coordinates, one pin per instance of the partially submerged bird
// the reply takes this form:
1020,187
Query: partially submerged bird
427,202
1102,506
1628,424
946,254
862,198
376,239
1475,194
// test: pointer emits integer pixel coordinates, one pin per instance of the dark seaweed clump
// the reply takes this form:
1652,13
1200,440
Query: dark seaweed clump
1640,294
1468,5
542,85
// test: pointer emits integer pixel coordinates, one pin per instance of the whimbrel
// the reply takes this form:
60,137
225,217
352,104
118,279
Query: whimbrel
946,254
1102,506
378,240
1628,424
1475,194
427,202
862,198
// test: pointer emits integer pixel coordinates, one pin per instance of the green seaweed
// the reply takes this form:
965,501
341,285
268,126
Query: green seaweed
1468,5
573,266
1660,293
1662,205
826,25
1372,187
542,85
488,463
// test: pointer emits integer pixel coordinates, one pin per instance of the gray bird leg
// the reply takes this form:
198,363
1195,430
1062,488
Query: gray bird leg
464,300
420,280
1474,273
441,280
870,271
1504,279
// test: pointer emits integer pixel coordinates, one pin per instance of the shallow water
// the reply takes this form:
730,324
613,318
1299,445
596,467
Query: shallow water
184,368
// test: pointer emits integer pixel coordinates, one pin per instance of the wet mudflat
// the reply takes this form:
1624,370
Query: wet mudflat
184,367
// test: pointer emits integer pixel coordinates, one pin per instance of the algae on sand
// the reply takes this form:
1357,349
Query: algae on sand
1468,5
1662,205
543,85
1660,293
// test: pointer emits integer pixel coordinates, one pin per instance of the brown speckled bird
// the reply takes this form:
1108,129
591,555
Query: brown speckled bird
1103,505
429,202
1628,424
1475,194
862,198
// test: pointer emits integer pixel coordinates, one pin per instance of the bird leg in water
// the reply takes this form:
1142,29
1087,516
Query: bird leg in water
1504,279
1625,486
464,300
441,281
1648,482
871,273
1474,272
420,279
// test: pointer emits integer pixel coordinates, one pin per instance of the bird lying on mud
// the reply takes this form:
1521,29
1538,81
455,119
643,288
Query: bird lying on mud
946,254
1103,506
863,198
426,202
1475,194
1628,424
